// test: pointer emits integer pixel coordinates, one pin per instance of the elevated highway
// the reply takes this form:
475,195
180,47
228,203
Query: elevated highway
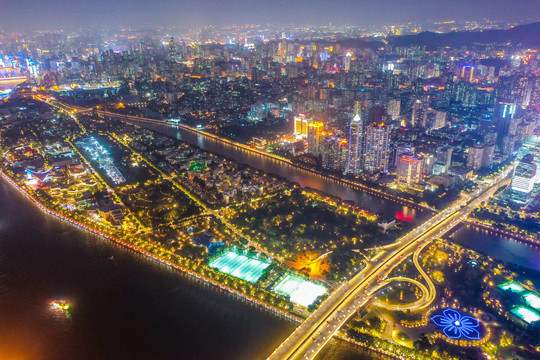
313,334
428,292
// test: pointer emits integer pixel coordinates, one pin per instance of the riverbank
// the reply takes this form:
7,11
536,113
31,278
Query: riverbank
515,254
508,234
193,275
280,159
124,306
187,273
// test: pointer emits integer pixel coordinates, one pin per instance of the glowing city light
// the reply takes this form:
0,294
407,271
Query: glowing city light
512,286
240,266
455,325
302,292
525,314
532,300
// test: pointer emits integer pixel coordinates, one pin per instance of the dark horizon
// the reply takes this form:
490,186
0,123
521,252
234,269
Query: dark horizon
26,15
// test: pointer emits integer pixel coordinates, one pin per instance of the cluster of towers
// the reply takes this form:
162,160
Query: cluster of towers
366,150
369,143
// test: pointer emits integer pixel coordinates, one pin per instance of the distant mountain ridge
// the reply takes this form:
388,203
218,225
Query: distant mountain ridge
522,35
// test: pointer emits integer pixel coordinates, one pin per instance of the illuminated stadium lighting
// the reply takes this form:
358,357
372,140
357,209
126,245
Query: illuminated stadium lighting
525,314
240,266
455,325
300,291
512,286
532,300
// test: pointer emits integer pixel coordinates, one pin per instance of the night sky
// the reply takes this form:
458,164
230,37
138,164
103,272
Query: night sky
73,14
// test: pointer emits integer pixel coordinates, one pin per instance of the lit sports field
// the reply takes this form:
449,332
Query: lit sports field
532,300
530,311
301,291
240,266
527,315
512,286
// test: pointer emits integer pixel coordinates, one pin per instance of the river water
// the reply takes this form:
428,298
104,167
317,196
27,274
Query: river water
387,209
501,248
126,308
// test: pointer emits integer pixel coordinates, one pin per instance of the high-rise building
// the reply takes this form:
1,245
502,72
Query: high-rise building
334,152
410,169
508,144
314,130
513,124
504,113
301,125
418,109
506,109
394,108
440,163
440,119
444,155
403,148
172,50
429,164
376,147
490,137
474,158
487,155
526,91
523,181
356,132
347,61
467,72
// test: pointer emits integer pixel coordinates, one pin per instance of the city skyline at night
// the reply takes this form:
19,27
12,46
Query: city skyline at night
283,180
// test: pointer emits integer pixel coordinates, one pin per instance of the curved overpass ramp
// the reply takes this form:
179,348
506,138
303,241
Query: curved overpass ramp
313,334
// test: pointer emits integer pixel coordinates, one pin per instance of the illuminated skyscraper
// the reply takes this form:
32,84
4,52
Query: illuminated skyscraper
467,73
444,156
355,146
487,156
347,61
376,146
419,109
440,119
474,158
504,113
334,152
172,50
301,126
523,181
314,130
527,88
506,109
410,169
394,108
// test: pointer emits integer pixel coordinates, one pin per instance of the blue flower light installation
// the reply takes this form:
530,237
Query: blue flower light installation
456,325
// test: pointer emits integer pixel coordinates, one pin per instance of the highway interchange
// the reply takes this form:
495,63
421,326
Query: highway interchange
313,334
